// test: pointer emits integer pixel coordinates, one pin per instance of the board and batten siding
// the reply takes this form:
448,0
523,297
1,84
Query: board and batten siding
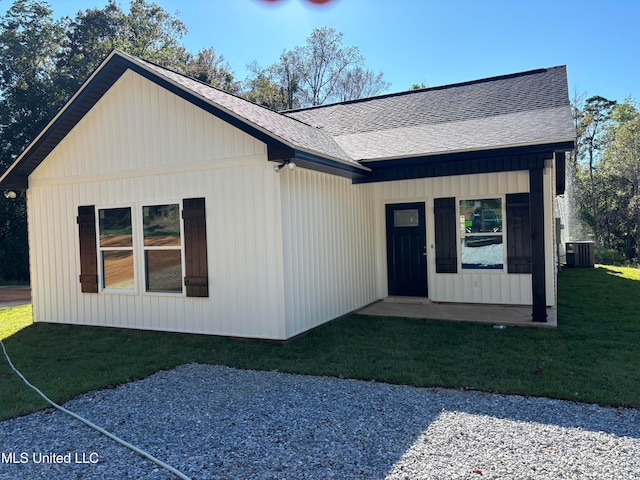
140,144
328,247
466,286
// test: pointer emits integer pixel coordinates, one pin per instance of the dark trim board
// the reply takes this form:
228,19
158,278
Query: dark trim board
310,161
561,168
538,280
468,163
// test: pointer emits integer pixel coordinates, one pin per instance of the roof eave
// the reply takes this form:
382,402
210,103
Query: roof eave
320,163
560,144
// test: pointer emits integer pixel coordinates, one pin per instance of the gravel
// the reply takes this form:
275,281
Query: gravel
222,423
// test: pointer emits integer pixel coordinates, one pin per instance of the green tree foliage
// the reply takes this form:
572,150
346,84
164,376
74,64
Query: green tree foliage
606,175
28,95
90,36
270,87
147,31
596,115
212,69
622,165
28,44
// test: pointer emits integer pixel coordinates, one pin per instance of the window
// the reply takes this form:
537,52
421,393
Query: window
116,248
481,237
156,243
406,218
162,248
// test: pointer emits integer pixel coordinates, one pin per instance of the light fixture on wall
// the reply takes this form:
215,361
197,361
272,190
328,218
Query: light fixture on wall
11,194
290,166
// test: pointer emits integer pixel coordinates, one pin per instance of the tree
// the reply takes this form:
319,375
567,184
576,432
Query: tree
595,116
622,158
147,31
319,72
360,83
150,32
210,68
29,40
91,35
324,63
264,88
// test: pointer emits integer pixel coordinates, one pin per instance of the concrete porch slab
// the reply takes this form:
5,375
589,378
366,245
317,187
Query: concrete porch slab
513,315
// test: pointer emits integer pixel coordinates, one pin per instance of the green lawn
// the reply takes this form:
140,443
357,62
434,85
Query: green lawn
593,356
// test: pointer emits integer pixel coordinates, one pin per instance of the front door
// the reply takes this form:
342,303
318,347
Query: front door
406,250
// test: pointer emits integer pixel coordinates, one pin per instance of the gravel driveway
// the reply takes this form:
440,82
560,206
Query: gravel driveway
217,422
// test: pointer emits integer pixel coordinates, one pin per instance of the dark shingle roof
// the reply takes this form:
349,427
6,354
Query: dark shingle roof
530,108
519,109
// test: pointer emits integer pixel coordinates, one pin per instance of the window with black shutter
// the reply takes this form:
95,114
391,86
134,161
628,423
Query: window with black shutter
109,248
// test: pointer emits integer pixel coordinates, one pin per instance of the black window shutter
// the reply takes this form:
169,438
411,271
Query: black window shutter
446,241
88,249
518,233
196,278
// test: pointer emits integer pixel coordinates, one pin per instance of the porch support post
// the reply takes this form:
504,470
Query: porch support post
538,280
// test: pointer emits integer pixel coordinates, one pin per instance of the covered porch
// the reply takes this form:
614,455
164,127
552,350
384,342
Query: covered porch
415,307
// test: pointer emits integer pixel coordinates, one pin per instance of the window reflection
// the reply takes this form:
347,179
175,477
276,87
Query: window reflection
117,269
481,236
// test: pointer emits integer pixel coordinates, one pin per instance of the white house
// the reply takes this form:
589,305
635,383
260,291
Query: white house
153,202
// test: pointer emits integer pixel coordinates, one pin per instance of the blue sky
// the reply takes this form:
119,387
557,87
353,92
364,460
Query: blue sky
424,41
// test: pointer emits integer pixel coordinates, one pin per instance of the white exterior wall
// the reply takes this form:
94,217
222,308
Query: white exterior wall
286,252
141,144
328,241
466,286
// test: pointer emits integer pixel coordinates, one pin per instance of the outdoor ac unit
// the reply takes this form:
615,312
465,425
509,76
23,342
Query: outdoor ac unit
580,254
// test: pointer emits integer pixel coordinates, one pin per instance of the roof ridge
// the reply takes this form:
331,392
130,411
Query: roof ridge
428,89
157,65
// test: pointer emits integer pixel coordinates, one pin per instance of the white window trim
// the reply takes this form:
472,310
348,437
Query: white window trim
101,278
138,249
143,248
